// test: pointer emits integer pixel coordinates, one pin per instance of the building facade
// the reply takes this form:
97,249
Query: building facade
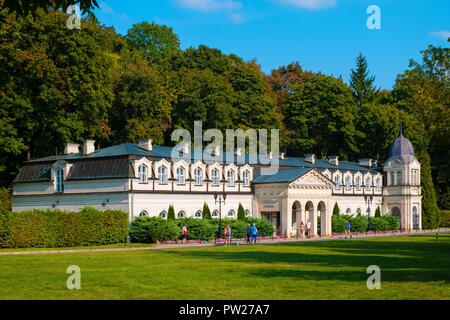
144,180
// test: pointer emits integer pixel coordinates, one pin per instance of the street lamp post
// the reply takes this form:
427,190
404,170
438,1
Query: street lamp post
220,198
368,201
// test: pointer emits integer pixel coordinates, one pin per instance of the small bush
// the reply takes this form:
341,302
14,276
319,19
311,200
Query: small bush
206,213
337,224
241,213
444,218
152,229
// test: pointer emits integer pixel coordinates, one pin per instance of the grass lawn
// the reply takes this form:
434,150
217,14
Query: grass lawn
415,267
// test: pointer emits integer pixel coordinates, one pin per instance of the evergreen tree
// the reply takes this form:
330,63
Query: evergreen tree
361,82
378,212
171,213
430,212
241,212
336,210
206,212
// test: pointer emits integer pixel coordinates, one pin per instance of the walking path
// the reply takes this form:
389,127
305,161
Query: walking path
267,241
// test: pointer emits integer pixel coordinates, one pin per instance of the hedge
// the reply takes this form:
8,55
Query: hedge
360,223
444,218
150,230
56,229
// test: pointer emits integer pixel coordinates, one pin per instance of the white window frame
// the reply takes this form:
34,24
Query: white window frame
347,183
230,177
368,184
198,176
378,184
143,169
162,174
337,182
181,176
198,214
246,178
215,177
358,183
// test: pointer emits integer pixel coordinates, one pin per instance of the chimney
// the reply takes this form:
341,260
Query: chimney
365,163
71,148
88,147
145,144
334,160
311,158
216,151
186,148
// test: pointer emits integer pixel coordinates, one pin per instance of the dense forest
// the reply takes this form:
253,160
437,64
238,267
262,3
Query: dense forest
59,85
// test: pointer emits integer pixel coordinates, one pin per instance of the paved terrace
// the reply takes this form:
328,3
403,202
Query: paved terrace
387,234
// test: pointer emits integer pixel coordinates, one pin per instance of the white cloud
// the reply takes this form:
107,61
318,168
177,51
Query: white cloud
209,5
310,4
105,8
441,34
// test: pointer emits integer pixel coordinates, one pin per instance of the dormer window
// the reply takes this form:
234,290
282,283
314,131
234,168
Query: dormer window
143,173
347,183
358,183
215,177
230,176
245,179
180,174
367,184
198,177
59,177
337,182
378,184
162,174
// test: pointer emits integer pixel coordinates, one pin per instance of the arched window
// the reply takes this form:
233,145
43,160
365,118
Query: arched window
198,215
198,177
348,211
247,213
215,214
347,183
143,213
230,175
245,178
59,180
358,211
368,184
163,214
181,214
337,181
231,214
162,173
215,177
358,183
378,184
142,173
180,175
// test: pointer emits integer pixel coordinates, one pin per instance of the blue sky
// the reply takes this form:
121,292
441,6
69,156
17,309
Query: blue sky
322,35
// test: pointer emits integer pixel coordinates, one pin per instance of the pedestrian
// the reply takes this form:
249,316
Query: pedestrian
254,232
347,229
184,233
248,233
227,234
302,229
308,228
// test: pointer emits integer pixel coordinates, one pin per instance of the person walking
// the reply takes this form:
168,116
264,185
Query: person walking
308,228
302,229
347,229
227,235
248,233
254,232
184,233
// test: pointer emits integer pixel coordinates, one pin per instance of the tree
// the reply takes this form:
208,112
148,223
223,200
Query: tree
171,213
206,213
321,113
241,213
336,210
361,82
156,42
23,8
377,212
430,211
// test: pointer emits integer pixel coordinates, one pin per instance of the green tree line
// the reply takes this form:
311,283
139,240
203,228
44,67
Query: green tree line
59,85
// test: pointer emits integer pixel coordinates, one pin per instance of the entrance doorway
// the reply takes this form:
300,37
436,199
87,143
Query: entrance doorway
274,218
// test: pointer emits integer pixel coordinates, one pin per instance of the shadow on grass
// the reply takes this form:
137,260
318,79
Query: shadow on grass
400,260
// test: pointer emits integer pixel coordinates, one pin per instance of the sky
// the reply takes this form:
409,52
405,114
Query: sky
322,35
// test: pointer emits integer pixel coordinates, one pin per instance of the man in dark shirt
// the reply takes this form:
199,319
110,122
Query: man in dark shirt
248,233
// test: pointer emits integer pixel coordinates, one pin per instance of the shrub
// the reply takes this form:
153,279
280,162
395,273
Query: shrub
377,212
265,227
337,224
152,229
5,199
199,229
241,212
336,210
206,213
392,222
379,224
171,213
359,224
55,228
444,218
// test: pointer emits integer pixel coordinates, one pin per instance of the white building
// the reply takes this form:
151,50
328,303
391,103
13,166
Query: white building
142,179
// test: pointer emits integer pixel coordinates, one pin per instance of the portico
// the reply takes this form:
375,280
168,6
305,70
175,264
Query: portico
294,196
